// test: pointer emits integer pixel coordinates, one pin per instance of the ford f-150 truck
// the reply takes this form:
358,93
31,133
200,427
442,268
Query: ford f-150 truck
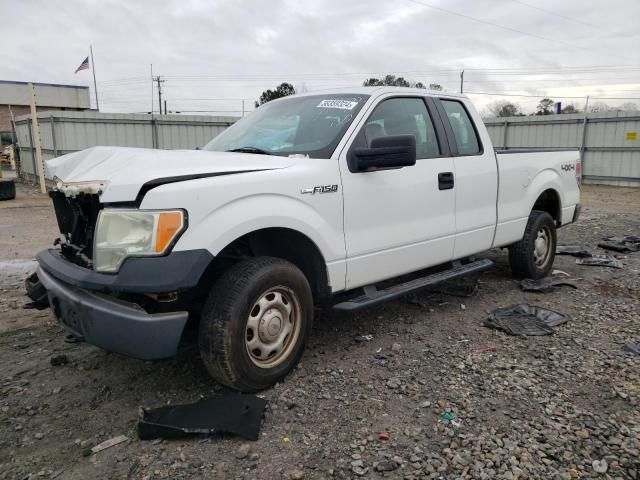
350,197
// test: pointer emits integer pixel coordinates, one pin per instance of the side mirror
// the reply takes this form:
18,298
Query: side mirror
395,151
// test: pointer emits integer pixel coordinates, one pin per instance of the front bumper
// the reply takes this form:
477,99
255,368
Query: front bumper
112,324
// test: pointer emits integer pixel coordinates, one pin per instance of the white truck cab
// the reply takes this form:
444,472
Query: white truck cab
309,196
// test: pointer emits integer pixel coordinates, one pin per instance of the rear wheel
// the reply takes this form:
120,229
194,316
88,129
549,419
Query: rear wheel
255,323
533,256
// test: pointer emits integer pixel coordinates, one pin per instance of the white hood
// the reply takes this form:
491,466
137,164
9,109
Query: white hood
121,172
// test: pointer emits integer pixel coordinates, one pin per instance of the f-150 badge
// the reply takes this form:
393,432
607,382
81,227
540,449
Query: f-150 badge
320,189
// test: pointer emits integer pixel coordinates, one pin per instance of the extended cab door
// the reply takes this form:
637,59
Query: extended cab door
476,176
402,219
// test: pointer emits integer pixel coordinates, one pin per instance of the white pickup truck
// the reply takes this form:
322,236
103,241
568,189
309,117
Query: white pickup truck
312,198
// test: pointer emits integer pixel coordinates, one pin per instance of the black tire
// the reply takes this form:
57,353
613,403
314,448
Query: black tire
525,260
7,190
225,330
36,292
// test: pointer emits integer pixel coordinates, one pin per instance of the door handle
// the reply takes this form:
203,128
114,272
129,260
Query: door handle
445,181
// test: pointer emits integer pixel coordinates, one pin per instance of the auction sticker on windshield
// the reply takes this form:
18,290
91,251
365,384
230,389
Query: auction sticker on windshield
343,104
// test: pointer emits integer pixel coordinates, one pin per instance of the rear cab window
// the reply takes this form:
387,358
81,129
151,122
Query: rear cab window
464,132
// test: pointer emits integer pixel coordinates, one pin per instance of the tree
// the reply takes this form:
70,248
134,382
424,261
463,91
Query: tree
600,107
282,90
391,81
545,107
504,108
435,86
629,107
569,108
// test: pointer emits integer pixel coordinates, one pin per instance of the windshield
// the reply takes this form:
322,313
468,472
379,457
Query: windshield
309,125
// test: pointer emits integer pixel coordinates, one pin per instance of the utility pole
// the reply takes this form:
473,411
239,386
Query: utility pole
159,80
93,68
165,107
36,137
462,81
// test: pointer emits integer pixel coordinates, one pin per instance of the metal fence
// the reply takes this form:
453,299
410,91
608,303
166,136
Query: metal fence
609,143
65,132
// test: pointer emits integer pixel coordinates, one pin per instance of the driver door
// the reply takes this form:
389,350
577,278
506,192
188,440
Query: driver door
403,219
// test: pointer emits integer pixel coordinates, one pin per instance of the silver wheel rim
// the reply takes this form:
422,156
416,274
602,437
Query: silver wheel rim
273,327
542,247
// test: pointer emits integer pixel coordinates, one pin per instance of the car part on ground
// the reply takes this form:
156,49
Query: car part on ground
600,261
575,250
237,414
36,292
629,243
455,289
255,323
545,284
525,320
532,257
7,189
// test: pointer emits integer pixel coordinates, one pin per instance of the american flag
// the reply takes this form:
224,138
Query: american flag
83,66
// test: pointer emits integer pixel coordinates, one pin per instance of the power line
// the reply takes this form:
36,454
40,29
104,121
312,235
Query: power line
503,27
556,14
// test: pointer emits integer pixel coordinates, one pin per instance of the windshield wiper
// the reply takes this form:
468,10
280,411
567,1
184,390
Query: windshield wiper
250,150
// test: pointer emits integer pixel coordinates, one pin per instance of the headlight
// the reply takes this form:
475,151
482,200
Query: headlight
125,233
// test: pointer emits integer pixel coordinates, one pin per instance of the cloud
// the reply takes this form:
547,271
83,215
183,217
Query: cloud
213,54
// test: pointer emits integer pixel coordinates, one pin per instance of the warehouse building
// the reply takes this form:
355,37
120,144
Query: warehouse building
15,97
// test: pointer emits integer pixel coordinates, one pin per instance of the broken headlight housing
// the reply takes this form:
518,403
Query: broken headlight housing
124,233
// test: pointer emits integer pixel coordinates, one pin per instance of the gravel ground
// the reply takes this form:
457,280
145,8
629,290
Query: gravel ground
455,399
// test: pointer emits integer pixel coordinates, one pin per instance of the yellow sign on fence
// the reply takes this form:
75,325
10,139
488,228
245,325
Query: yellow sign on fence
631,136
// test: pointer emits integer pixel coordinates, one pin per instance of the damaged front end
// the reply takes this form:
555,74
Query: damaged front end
77,206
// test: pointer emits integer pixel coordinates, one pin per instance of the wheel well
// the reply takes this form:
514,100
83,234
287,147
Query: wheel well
284,243
549,201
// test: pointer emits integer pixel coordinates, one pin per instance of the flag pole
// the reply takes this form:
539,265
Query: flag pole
95,88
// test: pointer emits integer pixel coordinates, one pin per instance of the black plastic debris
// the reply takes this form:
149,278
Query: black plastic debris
600,261
525,320
36,292
630,243
545,284
237,414
575,250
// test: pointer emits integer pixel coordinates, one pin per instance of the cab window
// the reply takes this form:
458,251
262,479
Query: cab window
402,116
463,130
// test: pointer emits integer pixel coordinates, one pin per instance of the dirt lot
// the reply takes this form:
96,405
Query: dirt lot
560,406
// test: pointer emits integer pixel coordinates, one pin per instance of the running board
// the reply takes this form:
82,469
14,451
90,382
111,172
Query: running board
373,296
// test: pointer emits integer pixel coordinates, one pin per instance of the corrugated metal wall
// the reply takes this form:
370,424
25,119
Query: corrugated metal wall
66,132
609,142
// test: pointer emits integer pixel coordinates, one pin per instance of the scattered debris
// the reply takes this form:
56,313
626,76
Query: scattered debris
626,244
59,360
600,466
575,250
525,320
362,338
560,272
243,451
448,416
71,338
386,466
633,348
600,261
237,414
483,350
109,443
384,436
545,284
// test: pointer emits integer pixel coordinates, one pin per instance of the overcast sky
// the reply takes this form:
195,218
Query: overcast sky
214,53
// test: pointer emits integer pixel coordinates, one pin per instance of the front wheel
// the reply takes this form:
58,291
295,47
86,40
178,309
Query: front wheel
255,323
533,256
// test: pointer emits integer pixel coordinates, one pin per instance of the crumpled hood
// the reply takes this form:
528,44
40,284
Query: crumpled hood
123,171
